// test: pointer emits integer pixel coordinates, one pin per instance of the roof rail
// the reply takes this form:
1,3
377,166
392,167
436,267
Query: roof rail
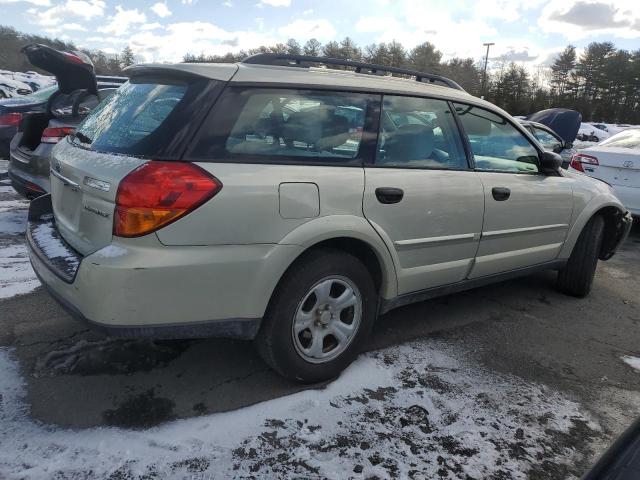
288,60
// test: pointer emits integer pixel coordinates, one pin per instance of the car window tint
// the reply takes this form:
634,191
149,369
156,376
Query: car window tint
284,125
548,141
135,119
496,144
418,132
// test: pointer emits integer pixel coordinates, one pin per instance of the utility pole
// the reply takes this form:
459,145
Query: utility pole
484,72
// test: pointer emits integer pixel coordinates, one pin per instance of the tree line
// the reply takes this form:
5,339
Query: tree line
11,41
603,82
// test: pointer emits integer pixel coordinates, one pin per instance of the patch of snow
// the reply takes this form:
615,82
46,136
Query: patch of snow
16,275
111,251
633,362
33,80
46,237
12,222
418,410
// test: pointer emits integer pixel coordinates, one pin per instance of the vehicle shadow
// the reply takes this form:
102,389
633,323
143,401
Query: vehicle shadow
79,378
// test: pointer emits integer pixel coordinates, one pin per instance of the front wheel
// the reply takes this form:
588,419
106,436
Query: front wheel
320,316
577,275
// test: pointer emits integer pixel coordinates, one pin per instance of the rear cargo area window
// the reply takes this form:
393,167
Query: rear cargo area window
141,118
279,125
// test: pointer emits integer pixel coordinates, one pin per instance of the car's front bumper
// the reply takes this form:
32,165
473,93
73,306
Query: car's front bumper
139,287
612,243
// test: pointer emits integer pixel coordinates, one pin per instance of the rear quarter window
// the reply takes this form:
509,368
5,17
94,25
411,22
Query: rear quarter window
285,126
147,117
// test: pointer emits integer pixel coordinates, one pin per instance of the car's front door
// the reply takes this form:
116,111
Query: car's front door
527,213
420,194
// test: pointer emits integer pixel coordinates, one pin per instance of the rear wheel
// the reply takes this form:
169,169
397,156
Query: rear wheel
319,317
577,275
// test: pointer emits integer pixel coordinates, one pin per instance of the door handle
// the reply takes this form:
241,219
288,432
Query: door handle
389,195
500,194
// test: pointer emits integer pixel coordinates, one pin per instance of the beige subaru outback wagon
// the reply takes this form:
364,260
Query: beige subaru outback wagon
287,202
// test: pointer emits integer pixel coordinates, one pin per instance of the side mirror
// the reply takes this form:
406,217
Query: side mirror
568,145
550,162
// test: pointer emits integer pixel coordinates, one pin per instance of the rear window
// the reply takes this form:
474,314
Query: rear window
284,126
143,118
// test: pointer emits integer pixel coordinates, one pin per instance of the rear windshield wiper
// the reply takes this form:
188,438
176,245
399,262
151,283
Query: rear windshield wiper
83,138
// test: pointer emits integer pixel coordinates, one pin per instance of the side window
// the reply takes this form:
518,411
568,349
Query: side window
548,141
496,144
418,132
297,126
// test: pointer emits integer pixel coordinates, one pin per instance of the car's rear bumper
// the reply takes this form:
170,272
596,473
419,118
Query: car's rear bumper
139,287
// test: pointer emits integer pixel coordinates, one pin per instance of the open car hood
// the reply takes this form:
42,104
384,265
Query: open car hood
563,121
73,70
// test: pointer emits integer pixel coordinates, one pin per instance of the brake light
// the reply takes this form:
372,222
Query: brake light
579,158
10,119
55,134
159,193
73,57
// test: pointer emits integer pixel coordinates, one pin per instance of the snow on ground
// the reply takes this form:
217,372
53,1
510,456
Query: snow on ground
418,410
16,275
633,362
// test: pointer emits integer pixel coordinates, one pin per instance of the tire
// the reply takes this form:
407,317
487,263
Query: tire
311,294
577,275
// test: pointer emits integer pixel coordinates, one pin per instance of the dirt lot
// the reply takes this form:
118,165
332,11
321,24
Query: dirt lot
508,381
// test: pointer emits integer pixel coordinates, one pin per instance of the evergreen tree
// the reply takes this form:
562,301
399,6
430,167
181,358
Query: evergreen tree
127,57
313,48
561,69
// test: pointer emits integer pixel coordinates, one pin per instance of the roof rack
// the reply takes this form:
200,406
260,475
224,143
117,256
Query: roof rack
288,60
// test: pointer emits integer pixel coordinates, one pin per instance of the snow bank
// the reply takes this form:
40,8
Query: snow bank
416,410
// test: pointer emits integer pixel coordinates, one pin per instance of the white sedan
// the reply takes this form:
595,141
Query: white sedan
616,161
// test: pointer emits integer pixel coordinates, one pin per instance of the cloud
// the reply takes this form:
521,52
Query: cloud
65,27
81,9
228,3
161,9
579,19
39,3
180,38
275,3
120,23
319,29
150,26
513,55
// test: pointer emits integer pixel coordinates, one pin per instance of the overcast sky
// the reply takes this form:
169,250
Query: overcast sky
531,31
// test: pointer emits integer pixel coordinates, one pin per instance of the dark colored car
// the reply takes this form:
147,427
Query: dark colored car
12,110
556,130
622,460
78,91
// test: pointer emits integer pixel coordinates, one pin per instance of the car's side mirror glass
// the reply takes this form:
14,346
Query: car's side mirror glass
550,162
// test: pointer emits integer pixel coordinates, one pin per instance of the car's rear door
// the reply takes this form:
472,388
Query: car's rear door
420,194
527,213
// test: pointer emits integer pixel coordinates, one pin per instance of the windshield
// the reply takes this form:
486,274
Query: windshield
625,139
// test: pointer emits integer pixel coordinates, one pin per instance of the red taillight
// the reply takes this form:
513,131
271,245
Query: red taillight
10,119
55,134
158,193
73,57
579,158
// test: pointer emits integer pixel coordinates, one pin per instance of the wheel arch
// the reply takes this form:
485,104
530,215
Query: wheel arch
612,213
353,235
